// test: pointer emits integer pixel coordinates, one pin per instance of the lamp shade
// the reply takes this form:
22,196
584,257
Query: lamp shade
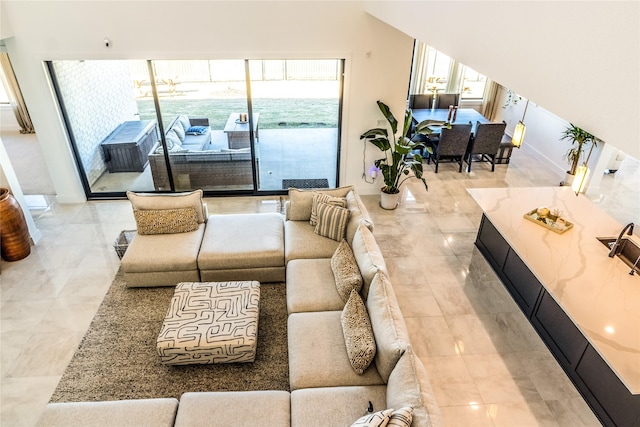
580,179
518,134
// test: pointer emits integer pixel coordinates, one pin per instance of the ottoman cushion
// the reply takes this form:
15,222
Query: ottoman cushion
211,322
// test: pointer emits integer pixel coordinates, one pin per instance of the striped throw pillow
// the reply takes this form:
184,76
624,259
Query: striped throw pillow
332,221
324,198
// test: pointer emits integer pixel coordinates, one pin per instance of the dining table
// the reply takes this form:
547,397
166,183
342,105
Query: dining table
464,115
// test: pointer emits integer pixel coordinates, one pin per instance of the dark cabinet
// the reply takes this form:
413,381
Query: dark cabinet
127,147
607,392
492,245
521,283
559,332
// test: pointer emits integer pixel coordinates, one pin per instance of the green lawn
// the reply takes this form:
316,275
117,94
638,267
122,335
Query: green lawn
275,113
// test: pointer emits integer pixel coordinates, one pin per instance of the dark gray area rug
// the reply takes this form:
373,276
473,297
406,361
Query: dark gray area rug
117,357
305,183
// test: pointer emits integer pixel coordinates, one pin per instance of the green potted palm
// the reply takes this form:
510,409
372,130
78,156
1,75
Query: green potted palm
399,163
578,138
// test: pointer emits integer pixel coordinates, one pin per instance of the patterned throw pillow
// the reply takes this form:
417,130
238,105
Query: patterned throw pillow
345,270
324,198
166,221
196,130
332,221
401,417
376,419
358,334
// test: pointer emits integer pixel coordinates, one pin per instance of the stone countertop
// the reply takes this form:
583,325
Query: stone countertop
595,291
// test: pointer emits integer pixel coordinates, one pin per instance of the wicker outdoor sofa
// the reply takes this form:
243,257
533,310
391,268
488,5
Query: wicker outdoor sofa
193,166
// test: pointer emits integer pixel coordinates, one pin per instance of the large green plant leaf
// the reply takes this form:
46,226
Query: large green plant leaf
386,112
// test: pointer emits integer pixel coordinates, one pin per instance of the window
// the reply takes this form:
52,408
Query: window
435,71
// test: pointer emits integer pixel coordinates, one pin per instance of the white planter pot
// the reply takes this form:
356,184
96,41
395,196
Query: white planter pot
568,179
389,201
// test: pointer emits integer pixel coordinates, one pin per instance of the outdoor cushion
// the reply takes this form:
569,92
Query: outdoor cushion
179,130
168,201
196,130
184,121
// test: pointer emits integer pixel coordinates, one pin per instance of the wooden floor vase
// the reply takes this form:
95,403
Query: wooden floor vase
14,234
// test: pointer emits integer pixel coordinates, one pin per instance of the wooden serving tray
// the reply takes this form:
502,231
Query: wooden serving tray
550,222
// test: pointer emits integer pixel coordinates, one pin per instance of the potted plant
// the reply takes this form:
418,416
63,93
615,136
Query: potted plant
578,137
399,160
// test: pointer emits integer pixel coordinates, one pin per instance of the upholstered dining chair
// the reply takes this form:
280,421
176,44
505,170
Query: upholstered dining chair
420,101
446,99
486,143
452,145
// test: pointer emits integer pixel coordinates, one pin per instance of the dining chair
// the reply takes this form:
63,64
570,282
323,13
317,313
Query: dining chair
452,145
446,99
485,143
420,101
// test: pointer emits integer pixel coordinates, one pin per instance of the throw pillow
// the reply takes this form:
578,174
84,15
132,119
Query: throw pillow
401,417
376,419
184,121
345,270
166,221
172,139
197,130
300,201
177,128
324,198
148,201
332,221
358,334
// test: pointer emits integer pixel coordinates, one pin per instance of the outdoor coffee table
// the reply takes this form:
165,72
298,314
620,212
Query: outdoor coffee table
211,322
238,132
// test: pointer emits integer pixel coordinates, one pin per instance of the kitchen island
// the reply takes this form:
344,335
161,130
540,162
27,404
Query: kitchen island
584,305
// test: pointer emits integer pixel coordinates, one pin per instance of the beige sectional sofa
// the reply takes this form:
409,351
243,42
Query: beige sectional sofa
325,390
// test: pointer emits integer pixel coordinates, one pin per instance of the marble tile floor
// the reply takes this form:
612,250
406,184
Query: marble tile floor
487,365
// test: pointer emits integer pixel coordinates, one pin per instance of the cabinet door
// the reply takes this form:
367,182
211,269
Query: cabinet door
622,407
559,332
492,245
521,283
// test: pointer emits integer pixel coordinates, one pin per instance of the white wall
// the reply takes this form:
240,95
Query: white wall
578,59
8,118
378,57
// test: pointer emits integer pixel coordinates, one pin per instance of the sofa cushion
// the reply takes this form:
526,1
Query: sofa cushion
345,271
375,419
165,221
324,198
271,408
301,201
311,286
318,354
334,406
387,323
332,221
358,335
147,201
409,386
147,254
368,256
184,121
359,214
302,242
134,413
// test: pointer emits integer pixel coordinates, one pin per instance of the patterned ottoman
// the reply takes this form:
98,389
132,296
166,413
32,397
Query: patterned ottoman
211,322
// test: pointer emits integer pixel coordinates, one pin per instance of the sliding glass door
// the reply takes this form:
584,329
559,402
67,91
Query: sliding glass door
239,126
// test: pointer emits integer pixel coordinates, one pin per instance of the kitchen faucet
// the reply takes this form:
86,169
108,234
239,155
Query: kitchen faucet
616,244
